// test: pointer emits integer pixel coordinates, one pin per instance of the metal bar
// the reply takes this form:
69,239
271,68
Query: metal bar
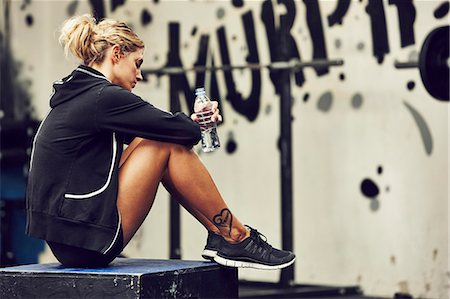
406,65
287,274
279,65
175,230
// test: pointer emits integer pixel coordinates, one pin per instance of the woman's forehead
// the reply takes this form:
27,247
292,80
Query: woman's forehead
139,53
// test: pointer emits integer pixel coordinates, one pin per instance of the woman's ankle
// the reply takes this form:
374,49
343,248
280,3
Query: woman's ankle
237,235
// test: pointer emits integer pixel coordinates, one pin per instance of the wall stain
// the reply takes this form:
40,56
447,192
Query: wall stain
435,254
425,132
393,260
72,8
325,102
404,286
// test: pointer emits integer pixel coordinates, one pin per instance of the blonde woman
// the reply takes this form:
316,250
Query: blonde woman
86,195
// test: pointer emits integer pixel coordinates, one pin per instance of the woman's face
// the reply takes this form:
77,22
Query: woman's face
128,69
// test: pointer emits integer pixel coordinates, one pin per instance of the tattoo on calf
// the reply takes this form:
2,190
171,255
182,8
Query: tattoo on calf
224,219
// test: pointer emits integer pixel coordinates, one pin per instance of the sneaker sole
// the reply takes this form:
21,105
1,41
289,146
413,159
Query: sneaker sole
209,254
241,264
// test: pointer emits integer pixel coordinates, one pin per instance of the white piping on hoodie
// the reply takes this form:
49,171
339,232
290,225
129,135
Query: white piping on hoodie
103,188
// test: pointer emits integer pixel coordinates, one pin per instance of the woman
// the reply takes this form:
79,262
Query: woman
86,195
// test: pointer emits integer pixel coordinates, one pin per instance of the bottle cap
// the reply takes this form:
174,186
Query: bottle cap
200,91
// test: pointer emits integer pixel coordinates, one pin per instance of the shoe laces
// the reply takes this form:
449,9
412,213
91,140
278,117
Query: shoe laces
259,238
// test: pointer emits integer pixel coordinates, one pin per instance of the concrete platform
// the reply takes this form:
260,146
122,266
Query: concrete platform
124,278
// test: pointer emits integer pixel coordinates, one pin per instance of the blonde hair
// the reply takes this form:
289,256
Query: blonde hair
88,40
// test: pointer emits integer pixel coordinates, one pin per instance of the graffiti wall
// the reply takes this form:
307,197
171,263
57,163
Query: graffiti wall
370,144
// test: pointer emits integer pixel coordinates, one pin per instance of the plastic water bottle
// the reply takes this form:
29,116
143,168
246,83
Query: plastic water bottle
203,109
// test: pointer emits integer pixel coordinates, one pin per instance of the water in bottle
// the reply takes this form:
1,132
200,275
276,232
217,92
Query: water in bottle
203,109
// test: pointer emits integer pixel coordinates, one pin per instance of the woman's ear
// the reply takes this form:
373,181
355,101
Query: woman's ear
116,53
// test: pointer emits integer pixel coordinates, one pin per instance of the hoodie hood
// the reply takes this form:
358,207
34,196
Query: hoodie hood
80,80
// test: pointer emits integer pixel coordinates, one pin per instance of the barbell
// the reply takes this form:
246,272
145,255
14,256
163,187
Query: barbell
292,65
433,63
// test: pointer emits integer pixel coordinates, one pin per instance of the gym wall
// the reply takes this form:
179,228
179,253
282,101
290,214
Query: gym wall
370,144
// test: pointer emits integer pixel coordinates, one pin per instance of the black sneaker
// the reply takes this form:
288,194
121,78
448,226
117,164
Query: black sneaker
212,246
253,252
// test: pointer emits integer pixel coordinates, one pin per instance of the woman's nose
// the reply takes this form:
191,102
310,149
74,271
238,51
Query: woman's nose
139,76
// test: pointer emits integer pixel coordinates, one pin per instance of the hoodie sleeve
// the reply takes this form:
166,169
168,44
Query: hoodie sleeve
122,111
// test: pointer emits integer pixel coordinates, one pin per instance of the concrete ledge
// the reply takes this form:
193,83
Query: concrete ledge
124,278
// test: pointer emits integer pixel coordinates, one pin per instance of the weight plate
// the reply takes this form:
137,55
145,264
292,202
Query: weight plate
434,63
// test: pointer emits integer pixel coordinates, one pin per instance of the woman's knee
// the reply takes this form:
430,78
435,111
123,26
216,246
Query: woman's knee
165,146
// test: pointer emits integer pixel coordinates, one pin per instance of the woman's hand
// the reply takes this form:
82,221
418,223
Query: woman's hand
216,117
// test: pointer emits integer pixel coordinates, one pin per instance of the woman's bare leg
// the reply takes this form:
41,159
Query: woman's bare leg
146,163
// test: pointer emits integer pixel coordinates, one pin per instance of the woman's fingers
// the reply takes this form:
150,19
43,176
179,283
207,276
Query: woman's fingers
215,117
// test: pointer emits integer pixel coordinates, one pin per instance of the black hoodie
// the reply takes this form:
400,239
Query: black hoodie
73,179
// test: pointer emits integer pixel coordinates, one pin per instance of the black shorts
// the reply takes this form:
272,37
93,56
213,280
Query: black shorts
76,257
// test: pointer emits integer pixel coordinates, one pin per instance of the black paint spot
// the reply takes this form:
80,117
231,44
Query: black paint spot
369,188
155,57
387,189
194,31
339,13
306,97
29,20
337,43
231,144
146,17
268,109
406,18
237,3
342,76
233,37
380,42
380,170
442,10
116,3
410,85
156,1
